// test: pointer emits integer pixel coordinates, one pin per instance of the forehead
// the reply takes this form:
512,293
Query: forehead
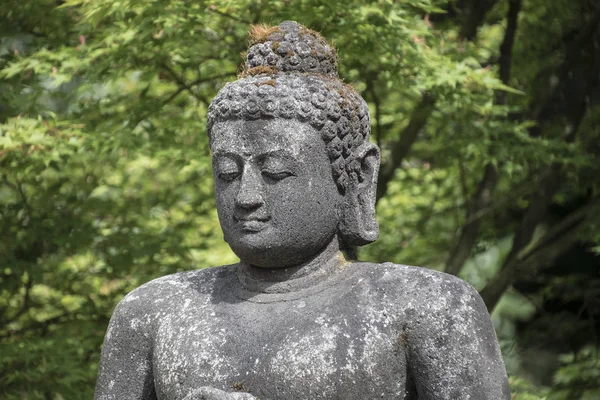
261,136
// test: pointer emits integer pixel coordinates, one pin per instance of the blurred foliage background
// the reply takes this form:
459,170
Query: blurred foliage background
487,113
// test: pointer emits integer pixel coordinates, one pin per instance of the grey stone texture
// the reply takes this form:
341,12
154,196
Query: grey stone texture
295,180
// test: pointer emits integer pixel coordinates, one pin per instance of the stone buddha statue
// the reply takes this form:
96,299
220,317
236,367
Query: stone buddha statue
295,179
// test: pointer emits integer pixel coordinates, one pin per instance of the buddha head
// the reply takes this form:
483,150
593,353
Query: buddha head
294,168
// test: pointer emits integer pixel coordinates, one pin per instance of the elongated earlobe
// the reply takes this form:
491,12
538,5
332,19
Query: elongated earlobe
358,225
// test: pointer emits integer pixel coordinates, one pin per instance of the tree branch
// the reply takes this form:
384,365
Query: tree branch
426,217
24,198
401,148
182,86
25,305
470,231
555,96
377,104
213,8
514,265
551,180
557,240
535,212
186,86
506,48
475,12
485,189
551,237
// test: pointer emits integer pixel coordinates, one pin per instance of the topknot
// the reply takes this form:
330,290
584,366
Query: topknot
289,47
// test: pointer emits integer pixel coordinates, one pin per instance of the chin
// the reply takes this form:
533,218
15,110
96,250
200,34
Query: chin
255,252
265,258
276,248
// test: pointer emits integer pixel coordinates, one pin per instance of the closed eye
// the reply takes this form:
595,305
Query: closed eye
277,176
227,176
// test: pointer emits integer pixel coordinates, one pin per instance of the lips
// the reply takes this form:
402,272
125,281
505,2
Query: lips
251,224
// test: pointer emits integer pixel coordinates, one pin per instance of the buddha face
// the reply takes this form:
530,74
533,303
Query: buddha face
277,202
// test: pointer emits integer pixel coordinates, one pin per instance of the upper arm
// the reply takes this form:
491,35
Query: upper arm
126,361
453,350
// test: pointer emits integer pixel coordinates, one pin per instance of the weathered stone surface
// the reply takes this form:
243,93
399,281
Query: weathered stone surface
359,331
295,319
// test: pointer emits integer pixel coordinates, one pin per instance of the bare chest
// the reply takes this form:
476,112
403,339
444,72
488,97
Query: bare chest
294,350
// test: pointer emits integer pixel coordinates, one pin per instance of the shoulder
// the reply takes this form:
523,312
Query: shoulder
425,294
201,280
418,282
152,298
435,303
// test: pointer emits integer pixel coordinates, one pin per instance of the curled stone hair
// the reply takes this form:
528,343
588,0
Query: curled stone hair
291,72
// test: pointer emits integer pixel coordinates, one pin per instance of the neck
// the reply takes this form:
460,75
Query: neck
293,278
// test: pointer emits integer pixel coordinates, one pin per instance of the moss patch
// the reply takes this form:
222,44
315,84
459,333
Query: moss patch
270,82
260,33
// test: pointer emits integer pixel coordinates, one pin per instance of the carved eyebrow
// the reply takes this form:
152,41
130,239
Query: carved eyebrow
280,153
224,153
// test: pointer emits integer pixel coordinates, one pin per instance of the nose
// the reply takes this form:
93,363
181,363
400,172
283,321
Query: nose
249,195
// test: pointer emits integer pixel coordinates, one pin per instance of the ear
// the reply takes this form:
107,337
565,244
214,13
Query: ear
358,225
